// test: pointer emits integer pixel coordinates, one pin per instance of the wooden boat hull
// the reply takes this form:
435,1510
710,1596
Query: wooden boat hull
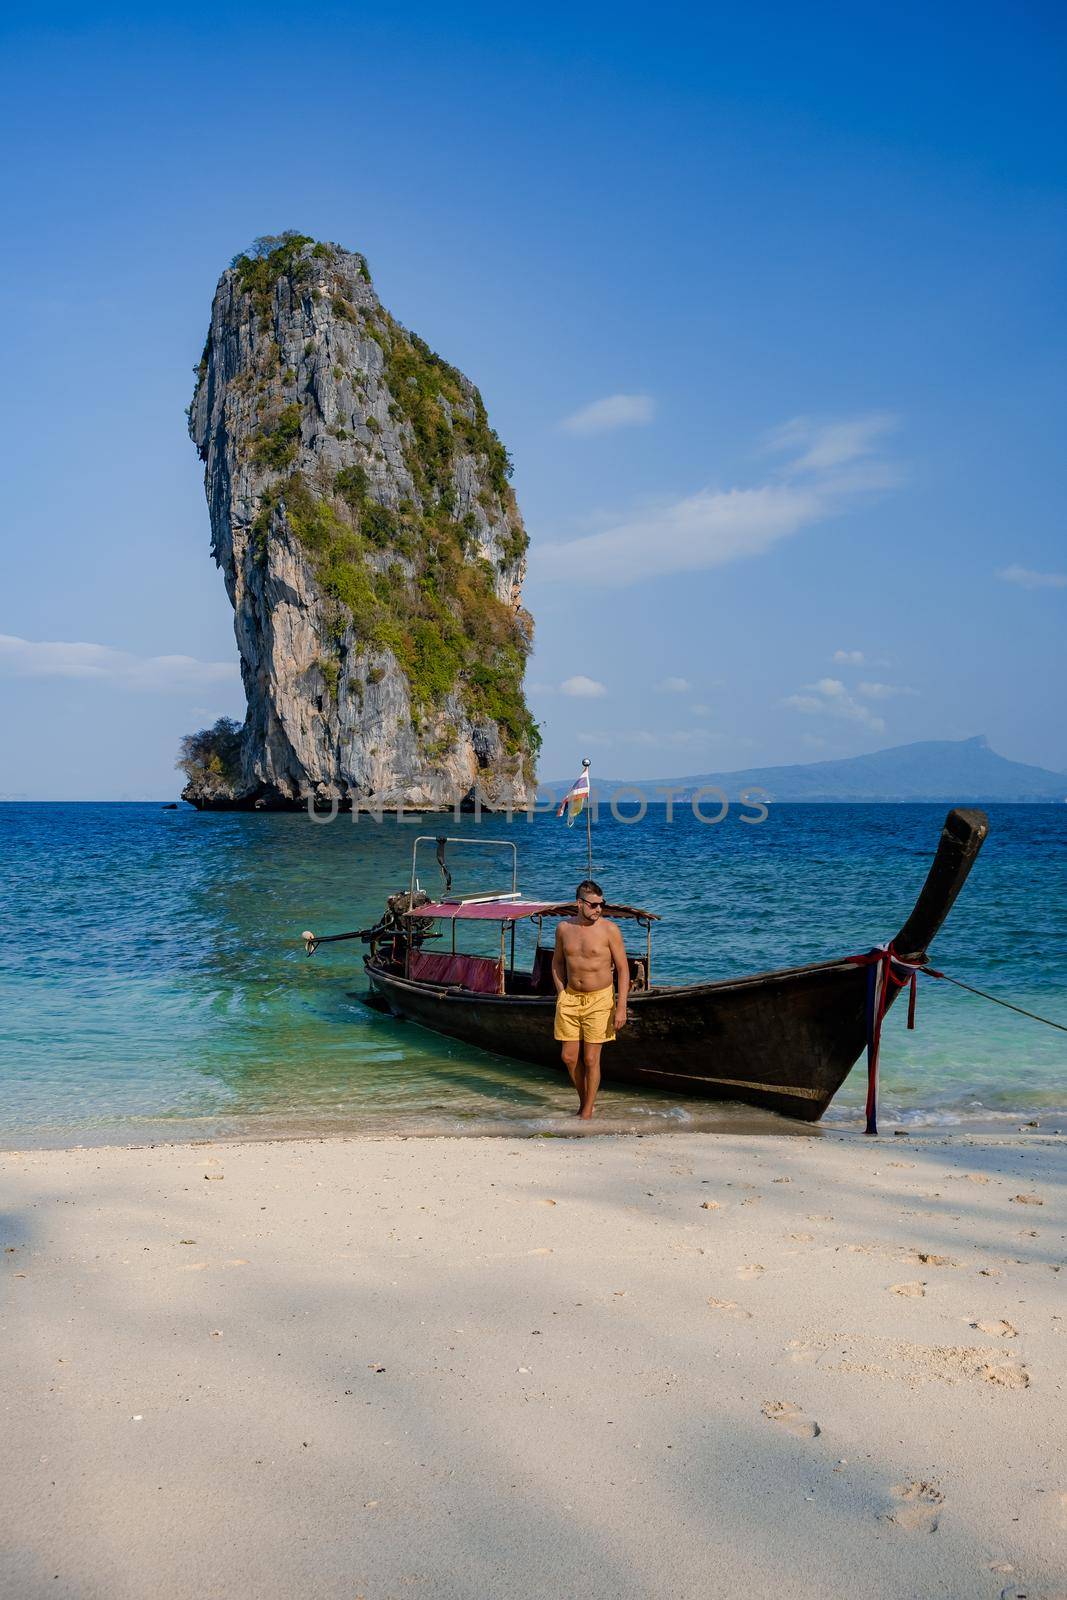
784,1041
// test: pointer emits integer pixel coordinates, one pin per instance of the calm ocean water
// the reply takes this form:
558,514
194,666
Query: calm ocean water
153,984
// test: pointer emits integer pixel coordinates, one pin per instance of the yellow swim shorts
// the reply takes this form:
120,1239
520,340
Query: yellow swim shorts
589,1017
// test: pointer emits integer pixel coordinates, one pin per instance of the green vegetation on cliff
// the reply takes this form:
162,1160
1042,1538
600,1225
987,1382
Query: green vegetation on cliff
433,608
276,445
282,255
213,754
430,394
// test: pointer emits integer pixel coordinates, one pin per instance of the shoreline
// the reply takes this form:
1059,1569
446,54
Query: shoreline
748,1122
457,1367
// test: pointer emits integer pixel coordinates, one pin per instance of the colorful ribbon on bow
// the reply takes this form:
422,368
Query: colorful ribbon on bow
883,982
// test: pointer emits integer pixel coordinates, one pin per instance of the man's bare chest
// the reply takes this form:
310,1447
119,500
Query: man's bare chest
586,944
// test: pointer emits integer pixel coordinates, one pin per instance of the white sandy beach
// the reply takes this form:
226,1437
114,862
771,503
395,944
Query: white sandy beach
615,1367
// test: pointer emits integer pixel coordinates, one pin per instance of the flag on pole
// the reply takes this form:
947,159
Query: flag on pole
576,797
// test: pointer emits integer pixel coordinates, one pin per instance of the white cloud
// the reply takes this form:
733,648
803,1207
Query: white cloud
715,526
848,658
830,689
704,530
1026,578
582,688
674,686
614,411
829,697
578,688
883,691
700,711
38,658
826,445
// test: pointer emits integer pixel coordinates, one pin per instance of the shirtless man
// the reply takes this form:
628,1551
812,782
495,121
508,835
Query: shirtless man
588,947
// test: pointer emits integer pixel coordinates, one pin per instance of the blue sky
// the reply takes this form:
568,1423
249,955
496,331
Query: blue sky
767,304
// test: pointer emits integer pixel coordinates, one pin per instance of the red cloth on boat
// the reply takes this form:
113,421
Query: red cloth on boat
480,974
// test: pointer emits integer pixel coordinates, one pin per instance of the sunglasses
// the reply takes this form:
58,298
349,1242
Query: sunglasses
594,905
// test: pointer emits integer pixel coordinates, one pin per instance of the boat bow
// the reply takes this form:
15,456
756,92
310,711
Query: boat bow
962,837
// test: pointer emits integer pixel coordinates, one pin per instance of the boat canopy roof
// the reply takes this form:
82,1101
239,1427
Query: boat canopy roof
516,910
480,910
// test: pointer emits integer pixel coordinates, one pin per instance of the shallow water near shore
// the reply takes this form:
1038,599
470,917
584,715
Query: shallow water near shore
154,986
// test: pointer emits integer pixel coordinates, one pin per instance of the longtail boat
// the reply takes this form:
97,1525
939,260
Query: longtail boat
783,1040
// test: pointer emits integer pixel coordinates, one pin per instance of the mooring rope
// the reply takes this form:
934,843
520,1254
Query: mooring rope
886,972
997,1001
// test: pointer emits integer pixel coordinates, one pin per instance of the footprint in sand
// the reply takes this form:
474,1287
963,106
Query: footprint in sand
912,1291
803,1238
901,1163
1027,1200
999,1328
791,1418
730,1306
754,1270
1006,1375
929,1260
918,1507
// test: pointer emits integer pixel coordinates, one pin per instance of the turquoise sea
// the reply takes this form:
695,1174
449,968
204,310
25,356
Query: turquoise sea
153,983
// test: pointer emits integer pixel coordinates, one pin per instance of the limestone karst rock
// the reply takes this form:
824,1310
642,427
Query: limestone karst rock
371,546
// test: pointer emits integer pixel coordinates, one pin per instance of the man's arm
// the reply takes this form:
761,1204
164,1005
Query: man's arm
622,974
559,961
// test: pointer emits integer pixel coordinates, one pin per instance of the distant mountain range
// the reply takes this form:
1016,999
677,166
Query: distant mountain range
934,769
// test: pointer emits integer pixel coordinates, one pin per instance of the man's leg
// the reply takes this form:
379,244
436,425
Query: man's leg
591,1079
572,1062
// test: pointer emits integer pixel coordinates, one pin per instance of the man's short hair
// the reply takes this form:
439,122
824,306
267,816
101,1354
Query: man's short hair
587,886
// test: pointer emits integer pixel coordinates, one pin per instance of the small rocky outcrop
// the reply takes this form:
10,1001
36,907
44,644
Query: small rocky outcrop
371,547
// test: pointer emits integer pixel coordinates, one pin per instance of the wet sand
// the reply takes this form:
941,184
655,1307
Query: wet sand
678,1365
